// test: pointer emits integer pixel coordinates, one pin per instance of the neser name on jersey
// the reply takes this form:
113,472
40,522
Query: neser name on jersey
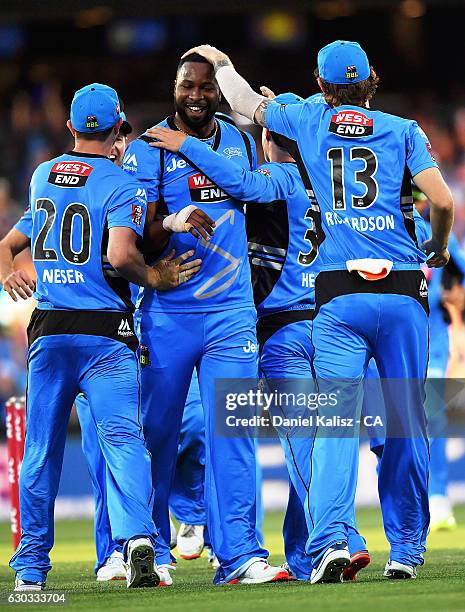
62,277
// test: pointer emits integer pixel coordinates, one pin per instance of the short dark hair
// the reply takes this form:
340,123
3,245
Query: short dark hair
192,57
352,93
99,136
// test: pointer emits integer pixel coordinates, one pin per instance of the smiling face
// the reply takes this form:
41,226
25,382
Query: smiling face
196,96
118,148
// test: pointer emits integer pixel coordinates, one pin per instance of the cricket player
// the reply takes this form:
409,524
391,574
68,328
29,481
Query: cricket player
187,497
284,266
83,225
371,297
445,286
208,325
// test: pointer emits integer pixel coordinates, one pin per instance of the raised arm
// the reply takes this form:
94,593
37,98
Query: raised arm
241,97
263,185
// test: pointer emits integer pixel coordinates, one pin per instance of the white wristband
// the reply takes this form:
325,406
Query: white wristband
241,97
176,222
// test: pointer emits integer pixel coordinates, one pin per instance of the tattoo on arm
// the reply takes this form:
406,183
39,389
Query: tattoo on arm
223,62
259,116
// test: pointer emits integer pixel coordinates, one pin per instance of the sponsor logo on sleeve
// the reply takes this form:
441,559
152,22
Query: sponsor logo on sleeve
351,124
69,174
264,171
137,214
130,162
427,143
203,190
141,196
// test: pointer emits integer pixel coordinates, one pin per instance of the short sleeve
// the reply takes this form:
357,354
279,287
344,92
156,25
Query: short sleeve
128,208
24,225
142,162
419,156
284,118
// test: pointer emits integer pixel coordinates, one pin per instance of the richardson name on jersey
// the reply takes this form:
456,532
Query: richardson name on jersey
351,124
362,224
69,174
203,190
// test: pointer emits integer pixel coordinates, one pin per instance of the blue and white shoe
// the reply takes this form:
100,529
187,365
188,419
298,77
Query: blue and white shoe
140,563
332,564
399,571
28,585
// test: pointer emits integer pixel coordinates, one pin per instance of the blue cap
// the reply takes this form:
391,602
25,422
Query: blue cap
343,62
288,98
95,108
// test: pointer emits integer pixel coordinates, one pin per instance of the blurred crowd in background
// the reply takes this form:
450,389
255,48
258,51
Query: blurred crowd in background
44,59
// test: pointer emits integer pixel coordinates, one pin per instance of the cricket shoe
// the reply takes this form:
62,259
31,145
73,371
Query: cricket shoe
212,558
399,571
190,541
358,561
173,535
28,585
260,572
333,562
141,570
114,568
164,570
442,517
285,566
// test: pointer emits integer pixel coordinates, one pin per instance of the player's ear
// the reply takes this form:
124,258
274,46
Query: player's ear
117,127
69,125
267,135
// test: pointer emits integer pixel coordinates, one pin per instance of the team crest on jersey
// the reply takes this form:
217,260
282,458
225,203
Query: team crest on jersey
264,171
232,152
137,214
203,190
351,124
351,72
69,174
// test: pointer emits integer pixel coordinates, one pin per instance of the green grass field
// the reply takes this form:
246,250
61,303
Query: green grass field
440,584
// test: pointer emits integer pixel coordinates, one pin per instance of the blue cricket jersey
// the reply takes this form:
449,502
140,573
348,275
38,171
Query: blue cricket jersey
282,245
359,163
437,278
74,200
223,281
